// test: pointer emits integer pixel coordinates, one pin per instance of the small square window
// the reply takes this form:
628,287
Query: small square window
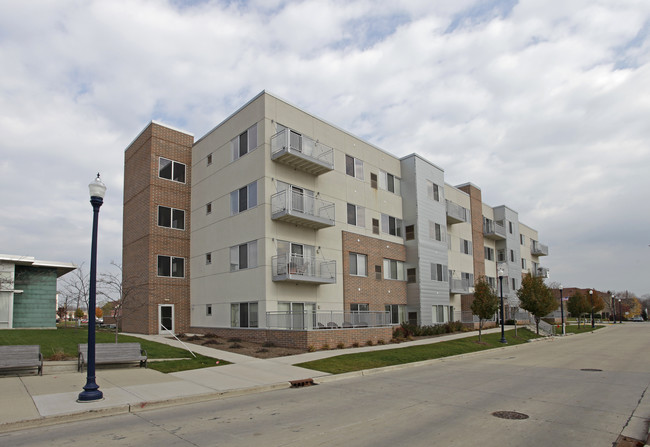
410,232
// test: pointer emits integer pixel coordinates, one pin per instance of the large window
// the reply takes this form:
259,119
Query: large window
397,313
243,198
354,167
394,270
433,191
356,215
244,143
171,218
436,231
410,232
411,275
391,225
489,254
243,315
389,182
359,307
171,170
466,246
171,266
439,314
243,256
358,264
439,272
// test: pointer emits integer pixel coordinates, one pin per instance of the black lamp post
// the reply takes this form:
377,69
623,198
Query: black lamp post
614,308
503,333
591,300
91,389
620,311
562,308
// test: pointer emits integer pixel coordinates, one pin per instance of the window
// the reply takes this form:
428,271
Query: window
523,263
492,281
208,159
514,285
243,315
435,231
356,215
208,310
171,218
393,269
410,275
433,191
439,272
358,264
512,256
244,143
397,313
489,254
208,208
501,255
410,232
378,272
359,307
243,198
243,256
389,182
510,227
208,258
354,167
391,225
466,246
467,278
170,266
375,226
522,239
373,180
438,313
171,170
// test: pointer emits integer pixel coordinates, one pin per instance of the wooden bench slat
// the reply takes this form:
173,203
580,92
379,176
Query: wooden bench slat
21,356
112,353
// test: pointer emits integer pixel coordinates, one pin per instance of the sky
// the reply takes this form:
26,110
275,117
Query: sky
545,105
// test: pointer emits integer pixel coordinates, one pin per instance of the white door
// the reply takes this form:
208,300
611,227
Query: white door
165,318
6,310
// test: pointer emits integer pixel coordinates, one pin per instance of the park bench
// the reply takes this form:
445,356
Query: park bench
21,357
106,353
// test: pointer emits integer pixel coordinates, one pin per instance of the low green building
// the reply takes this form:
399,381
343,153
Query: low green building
28,291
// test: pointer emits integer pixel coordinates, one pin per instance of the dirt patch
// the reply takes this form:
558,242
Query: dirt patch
239,346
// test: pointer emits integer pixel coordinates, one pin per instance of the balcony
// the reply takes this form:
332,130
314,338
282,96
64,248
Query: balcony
296,268
301,152
537,249
326,320
494,231
460,286
456,213
301,209
541,271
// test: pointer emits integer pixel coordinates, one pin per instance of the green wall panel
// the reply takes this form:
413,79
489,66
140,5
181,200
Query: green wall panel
36,306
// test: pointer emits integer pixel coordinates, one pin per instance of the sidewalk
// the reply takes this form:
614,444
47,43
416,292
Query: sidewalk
32,400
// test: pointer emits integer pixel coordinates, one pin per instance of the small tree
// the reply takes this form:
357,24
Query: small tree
99,312
596,303
79,313
62,313
536,297
577,305
485,303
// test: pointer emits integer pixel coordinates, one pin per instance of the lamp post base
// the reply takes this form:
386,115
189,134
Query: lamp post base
90,393
504,341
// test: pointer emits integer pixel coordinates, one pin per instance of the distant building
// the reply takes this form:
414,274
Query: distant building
278,220
28,296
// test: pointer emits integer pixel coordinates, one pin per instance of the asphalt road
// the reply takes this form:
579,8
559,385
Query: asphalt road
582,390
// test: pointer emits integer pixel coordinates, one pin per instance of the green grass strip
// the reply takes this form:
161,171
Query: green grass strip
397,356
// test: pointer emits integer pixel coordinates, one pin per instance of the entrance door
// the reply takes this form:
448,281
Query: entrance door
165,318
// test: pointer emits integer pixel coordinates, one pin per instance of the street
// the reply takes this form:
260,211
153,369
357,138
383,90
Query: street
581,390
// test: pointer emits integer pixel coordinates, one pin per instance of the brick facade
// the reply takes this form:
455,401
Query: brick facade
368,289
144,239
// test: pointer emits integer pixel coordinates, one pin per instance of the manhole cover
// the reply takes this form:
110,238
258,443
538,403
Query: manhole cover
591,369
509,415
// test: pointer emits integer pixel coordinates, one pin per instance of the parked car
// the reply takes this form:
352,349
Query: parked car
637,318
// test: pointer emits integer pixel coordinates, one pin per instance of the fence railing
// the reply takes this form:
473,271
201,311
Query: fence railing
298,265
309,320
288,139
291,200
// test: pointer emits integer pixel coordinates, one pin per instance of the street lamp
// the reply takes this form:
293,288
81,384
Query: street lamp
503,332
591,300
91,389
562,308
620,312
614,308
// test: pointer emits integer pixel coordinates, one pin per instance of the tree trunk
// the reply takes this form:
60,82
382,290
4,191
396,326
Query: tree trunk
537,324
480,326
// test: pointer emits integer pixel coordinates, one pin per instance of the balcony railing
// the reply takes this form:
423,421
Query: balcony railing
456,213
296,268
459,286
310,320
299,208
541,271
538,249
494,231
301,152
466,316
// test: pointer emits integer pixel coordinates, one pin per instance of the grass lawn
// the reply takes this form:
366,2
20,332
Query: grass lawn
573,329
377,359
60,343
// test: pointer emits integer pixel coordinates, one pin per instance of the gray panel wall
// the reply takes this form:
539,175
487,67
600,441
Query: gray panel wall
511,243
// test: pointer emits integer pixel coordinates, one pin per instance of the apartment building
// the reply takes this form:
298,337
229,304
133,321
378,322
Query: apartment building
296,226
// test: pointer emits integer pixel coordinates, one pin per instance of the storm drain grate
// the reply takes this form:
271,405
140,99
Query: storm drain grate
591,369
301,383
509,415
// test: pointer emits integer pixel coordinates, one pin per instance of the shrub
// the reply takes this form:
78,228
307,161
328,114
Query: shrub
236,346
311,348
340,345
211,335
194,338
212,342
369,343
355,344
234,340
58,355
381,341
325,347
399,332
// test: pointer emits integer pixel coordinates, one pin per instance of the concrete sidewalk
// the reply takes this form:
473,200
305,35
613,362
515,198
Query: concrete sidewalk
32,400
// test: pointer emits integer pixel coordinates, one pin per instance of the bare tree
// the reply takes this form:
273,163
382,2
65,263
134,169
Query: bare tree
76,287
118,293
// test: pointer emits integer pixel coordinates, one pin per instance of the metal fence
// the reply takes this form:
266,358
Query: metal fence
309,320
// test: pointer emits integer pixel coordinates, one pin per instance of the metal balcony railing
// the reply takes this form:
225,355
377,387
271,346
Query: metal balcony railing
541,271
309,320
493,230
302,209
456,213
298,268
301,152
459,285
538,249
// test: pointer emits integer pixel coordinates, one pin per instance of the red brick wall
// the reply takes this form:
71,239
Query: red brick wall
375,292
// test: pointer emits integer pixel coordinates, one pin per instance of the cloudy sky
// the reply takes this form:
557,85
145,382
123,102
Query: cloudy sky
545,105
